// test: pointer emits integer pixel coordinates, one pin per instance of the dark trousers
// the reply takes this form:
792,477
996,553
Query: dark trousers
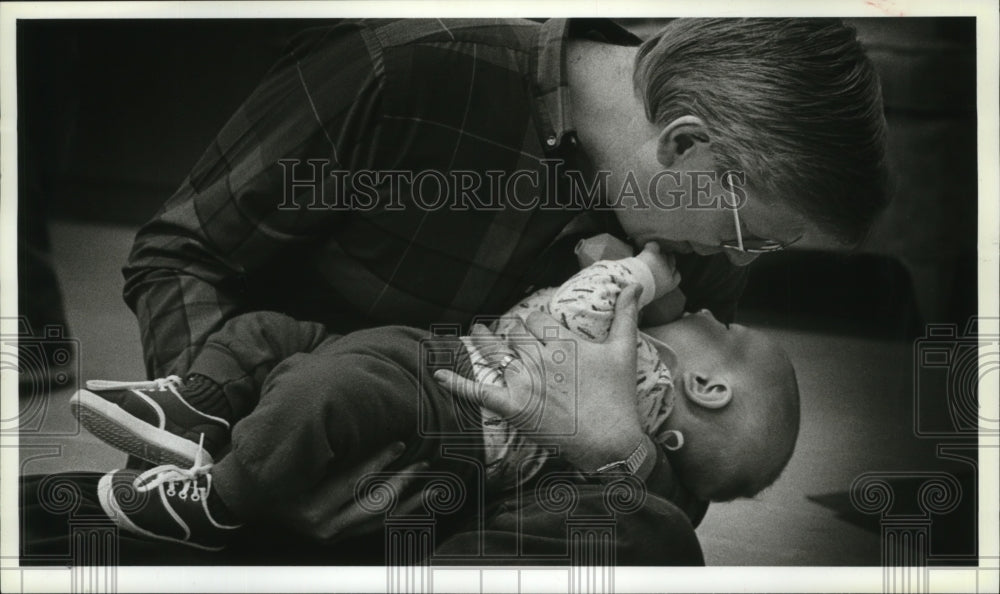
309,405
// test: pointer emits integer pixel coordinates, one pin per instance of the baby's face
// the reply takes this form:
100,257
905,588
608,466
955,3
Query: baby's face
700,336
739,408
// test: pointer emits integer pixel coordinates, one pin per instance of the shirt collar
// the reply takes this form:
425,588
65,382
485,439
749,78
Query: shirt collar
550,77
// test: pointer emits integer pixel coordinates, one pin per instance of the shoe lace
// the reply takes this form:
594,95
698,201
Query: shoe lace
188,478
171,382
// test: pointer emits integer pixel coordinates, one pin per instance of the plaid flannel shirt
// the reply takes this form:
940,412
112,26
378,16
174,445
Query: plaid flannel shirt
480,95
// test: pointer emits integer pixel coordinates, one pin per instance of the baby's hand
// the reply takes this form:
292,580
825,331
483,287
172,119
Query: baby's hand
663,267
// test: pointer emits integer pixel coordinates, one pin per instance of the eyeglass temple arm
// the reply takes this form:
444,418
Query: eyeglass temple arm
736,219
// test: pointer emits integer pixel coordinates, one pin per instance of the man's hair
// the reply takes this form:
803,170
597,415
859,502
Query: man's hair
795,104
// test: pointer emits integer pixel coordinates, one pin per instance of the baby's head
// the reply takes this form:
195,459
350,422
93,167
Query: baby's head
737,406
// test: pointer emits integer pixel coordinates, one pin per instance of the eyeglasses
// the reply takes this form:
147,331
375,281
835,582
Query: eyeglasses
753,245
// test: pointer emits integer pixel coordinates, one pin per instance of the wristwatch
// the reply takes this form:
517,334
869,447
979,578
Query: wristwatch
614,470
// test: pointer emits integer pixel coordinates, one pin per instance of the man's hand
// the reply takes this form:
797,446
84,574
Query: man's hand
330,513
591,416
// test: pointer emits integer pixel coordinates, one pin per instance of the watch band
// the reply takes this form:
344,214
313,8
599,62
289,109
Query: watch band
636,458
629,465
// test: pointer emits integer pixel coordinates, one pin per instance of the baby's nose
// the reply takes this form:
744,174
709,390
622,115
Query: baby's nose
701,312
740,258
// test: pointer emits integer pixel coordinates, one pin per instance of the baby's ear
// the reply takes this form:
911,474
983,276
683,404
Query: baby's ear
706,391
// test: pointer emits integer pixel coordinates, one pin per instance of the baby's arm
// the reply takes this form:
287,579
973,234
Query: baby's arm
586,302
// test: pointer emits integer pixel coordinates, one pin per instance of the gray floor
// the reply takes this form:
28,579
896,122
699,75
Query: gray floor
857,416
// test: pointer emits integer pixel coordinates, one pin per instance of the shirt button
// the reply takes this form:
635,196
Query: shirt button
551,141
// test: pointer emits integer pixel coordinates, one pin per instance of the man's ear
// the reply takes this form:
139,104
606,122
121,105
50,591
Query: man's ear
681,138
707,391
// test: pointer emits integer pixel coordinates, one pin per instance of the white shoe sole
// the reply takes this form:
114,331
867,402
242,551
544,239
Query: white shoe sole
116,427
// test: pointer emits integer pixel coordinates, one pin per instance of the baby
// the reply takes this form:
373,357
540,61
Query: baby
722,400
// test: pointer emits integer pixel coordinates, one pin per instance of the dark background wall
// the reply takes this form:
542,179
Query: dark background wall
113,113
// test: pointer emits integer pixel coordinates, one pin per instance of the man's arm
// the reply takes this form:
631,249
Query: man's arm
237,214
585,304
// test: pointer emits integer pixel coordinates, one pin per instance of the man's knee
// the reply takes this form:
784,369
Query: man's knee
648,529
661,534
559,526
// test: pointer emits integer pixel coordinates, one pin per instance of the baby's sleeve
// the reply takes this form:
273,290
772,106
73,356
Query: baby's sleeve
586,302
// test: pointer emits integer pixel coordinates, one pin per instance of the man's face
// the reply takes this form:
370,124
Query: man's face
696,218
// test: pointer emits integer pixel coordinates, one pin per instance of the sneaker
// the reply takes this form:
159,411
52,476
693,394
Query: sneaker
166,503
150,420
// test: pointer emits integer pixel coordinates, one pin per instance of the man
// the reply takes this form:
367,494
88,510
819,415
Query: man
720,139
